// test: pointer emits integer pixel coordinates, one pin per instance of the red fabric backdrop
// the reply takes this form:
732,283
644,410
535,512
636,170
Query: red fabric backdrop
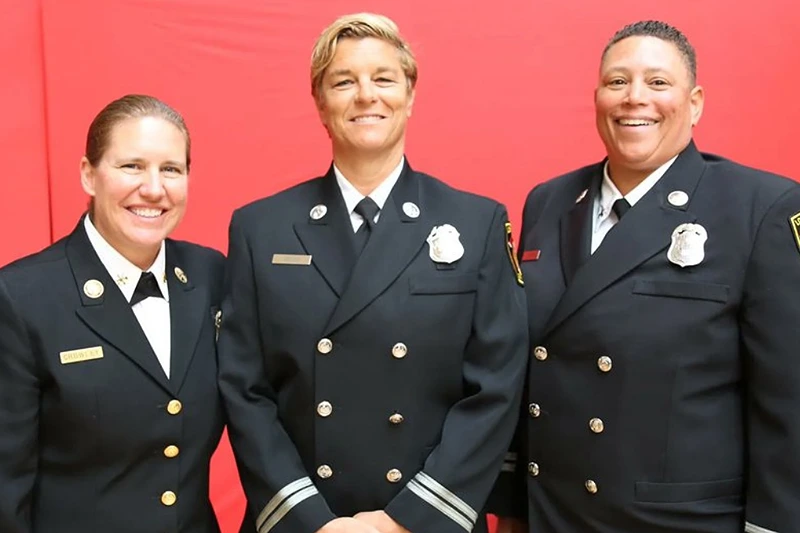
504,99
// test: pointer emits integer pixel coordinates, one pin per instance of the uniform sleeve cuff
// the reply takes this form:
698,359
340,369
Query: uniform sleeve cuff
297,508
427,506
749,527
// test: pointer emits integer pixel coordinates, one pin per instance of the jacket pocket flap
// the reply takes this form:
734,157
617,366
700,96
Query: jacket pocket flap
687,492
444,284
682,289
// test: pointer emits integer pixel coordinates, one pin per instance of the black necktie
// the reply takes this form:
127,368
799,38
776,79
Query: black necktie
147,286
620,207
367,208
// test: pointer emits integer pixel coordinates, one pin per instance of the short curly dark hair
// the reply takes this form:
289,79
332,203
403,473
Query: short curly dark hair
663,31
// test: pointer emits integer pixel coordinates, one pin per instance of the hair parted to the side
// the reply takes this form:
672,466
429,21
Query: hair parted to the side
665,32
127,107
359,26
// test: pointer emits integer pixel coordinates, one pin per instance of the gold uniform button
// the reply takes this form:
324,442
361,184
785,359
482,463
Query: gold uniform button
394,475
324,409
540,353
169,498
324,346
396,418
533,469
604,363
399,350
174,407
171,451
535,410
324,471
591,486
596,425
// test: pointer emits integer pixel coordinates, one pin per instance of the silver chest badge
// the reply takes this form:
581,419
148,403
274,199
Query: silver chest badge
445,245
688,245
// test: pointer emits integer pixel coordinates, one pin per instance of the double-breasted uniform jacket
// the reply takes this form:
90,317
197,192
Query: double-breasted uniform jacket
386,382
93,436
664,398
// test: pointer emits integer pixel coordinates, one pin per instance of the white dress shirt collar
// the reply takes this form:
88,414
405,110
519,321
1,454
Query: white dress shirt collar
123,272
380,194
610,194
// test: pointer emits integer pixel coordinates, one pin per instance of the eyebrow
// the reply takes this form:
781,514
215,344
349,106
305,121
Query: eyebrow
120,160
647,71
347,71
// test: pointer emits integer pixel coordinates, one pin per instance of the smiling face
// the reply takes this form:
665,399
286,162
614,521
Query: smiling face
365,99
139,186
645,103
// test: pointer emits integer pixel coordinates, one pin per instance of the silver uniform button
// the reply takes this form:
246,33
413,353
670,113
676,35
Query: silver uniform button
591,486
324,346
324,471
540,353
535,410
399,350
394,475
533,469
396,418
324,409
596,425
604,363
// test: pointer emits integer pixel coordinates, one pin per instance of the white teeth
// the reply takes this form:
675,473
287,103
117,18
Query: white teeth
146,212
367,118
636,122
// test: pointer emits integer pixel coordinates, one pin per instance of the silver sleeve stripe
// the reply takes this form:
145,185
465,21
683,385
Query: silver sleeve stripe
749,527
287,506
281,495
434,486
511,456
440,506
507,467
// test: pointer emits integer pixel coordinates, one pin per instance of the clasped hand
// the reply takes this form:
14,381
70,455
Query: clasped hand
367,522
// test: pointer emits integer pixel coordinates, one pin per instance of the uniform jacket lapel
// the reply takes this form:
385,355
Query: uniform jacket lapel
576,228
109,316
396,240
329,239
642,233
188,311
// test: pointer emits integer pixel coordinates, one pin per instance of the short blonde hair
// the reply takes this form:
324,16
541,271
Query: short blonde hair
359,26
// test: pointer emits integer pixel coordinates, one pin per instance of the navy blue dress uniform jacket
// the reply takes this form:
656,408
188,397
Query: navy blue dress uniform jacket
384,382
663,398
83,440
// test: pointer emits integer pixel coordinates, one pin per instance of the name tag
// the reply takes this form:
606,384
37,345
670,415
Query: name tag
79,356
291,259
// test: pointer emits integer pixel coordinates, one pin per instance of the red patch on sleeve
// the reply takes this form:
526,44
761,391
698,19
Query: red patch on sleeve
531,255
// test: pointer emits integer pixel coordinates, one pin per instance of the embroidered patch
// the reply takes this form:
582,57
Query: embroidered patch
794,221
512,256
